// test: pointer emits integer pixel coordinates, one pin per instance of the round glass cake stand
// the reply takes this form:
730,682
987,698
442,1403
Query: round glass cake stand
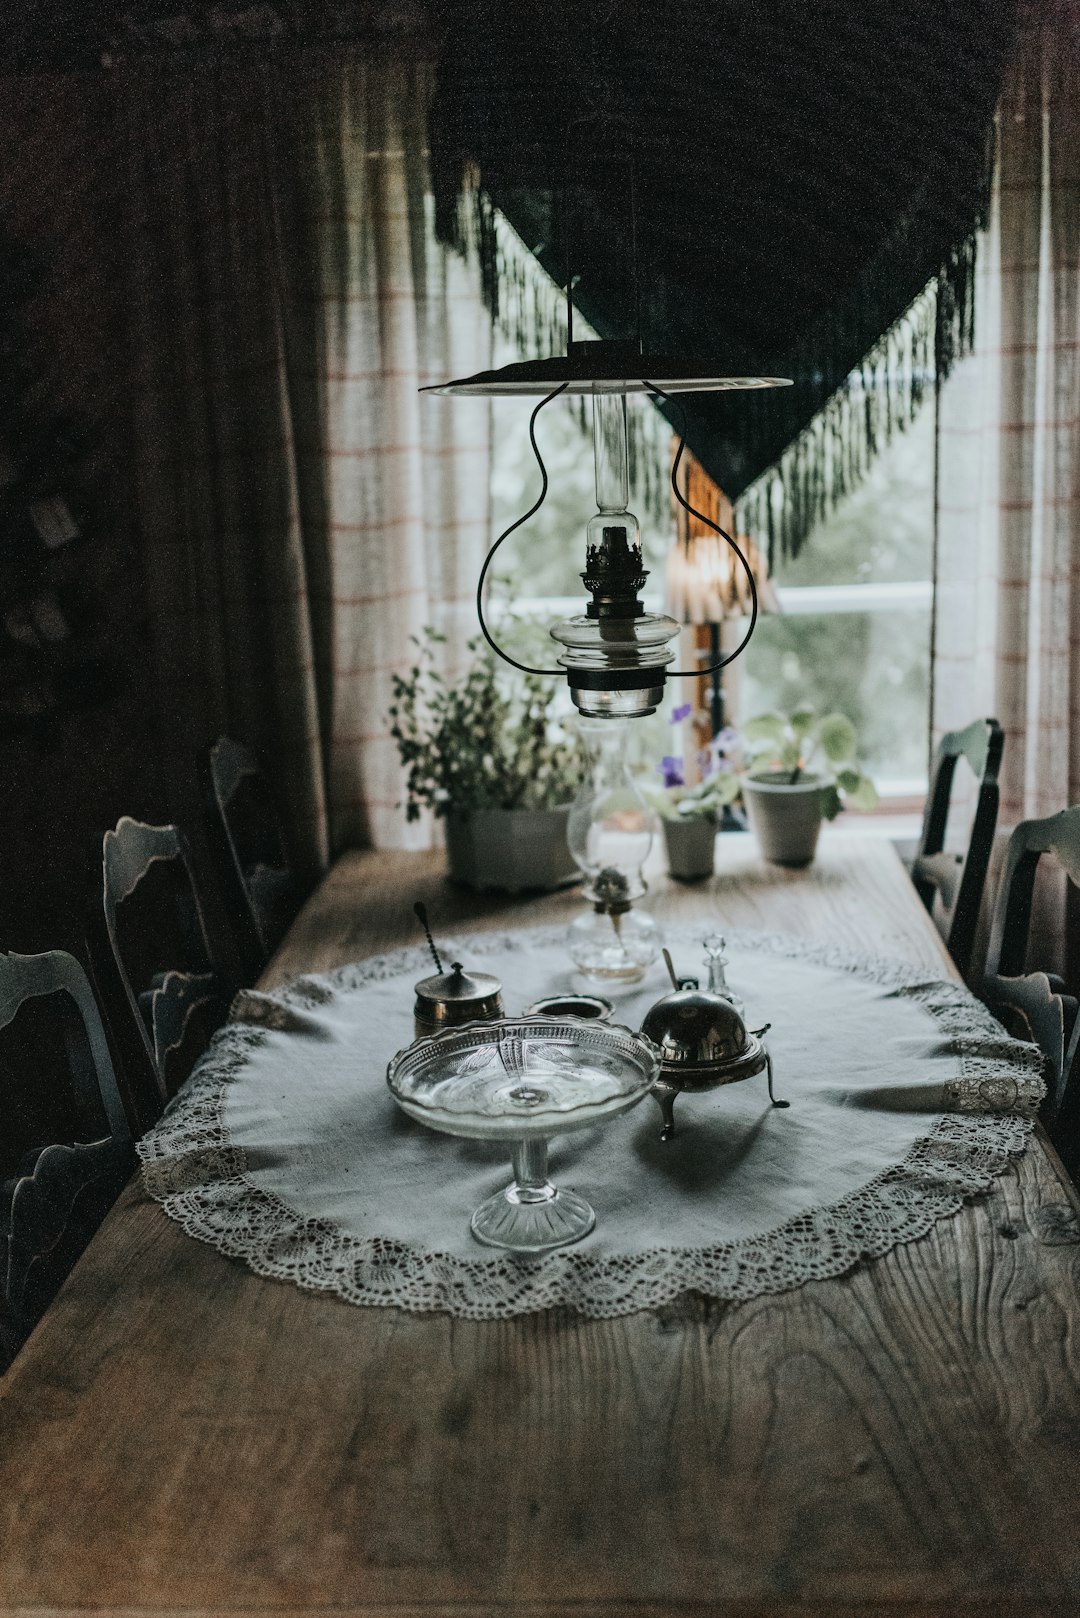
522,1080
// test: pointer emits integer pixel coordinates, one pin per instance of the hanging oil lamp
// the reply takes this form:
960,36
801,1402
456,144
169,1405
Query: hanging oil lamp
616,655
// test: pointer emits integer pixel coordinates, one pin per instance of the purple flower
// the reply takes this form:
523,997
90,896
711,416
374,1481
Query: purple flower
722,745
680,713
672,771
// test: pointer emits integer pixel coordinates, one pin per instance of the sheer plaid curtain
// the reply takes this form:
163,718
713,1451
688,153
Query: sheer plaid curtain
1008,570
303,510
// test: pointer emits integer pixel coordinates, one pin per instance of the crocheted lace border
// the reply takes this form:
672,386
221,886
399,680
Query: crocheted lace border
199,1175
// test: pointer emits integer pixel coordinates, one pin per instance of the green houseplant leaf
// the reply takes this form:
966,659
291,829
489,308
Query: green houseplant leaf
802,721
799,744
865,795
836,735
483,742
765,728
831,802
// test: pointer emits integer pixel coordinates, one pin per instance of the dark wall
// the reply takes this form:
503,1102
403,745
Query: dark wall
68,772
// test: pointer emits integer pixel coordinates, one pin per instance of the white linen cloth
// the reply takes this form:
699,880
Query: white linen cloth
286,1148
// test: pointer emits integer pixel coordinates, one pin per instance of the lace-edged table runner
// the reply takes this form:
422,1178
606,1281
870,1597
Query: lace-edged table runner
286,1150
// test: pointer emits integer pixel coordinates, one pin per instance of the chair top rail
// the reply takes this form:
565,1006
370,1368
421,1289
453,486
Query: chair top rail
1056,835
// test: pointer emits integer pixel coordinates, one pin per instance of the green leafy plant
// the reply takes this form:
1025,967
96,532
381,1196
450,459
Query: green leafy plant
703,801
785,747
481,741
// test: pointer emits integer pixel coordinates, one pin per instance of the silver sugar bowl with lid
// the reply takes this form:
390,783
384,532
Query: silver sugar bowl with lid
448,999
703,1042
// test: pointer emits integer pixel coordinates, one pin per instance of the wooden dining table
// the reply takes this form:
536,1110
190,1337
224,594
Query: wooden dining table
180,1436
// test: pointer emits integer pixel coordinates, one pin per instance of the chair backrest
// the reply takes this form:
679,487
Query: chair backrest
153,960
957,880
1034,1005
184,1012
1058,836
246,831
53,1193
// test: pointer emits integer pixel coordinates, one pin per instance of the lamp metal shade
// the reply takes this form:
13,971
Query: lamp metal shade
599,365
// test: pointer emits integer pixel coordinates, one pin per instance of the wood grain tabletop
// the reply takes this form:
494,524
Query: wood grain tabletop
181,1437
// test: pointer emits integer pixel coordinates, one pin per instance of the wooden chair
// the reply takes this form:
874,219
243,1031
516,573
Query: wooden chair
154,963
1036,1005
951,885
61,1083
246,833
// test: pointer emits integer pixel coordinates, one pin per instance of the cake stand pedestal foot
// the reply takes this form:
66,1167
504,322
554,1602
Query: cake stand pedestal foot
532,1215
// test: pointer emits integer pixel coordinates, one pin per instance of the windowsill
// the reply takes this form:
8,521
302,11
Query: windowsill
901,826
898,828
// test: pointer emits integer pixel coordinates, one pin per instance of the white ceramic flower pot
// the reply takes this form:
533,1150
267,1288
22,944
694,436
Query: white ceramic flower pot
785,818
691,846
509,850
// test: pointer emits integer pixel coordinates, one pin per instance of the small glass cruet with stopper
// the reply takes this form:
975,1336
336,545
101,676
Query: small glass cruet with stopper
717,962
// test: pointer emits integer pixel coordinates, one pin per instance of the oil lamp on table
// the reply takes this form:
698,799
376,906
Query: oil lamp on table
610,832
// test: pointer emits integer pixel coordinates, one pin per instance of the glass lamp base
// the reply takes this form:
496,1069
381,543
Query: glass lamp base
608,948
532,1215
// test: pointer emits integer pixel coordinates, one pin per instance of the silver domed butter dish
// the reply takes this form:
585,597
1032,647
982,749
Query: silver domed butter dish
703,1043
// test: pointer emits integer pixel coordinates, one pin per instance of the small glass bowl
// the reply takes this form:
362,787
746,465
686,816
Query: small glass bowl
592,1006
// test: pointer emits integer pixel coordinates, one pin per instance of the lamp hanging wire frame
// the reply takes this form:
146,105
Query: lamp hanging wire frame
524,668
559,673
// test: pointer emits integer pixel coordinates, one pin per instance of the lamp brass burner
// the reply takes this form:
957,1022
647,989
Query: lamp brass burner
703,1043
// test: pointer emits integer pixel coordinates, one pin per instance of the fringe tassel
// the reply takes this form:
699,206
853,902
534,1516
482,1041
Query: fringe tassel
832,455
882,395
529,308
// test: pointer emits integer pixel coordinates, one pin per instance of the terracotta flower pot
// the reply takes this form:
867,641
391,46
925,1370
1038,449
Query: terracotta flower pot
509,850
785,817
691,846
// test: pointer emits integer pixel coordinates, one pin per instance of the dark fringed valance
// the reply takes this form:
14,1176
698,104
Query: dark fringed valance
809,182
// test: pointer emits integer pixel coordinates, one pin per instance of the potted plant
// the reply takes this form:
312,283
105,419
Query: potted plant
689,814
799,769
491,759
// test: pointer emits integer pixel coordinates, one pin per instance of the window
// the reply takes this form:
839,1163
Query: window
854,631
855,628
